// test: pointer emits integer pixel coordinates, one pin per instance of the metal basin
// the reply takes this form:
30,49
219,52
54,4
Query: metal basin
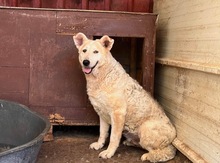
21,133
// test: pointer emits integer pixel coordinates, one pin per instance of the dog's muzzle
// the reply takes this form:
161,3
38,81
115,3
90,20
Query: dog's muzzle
86,68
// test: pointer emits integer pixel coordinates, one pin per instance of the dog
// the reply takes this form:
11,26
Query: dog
122,103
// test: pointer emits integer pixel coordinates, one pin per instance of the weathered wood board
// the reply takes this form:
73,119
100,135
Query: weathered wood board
188,73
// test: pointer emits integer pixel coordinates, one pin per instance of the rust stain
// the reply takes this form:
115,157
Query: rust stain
56,118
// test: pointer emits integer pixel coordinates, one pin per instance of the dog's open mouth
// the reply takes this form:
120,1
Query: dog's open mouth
88,70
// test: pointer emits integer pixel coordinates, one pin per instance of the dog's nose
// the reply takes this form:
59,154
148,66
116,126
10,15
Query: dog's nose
86,62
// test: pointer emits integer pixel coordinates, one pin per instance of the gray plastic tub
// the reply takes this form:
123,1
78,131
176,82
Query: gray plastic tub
21,133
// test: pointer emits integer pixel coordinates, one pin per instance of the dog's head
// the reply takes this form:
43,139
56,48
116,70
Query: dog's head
92,53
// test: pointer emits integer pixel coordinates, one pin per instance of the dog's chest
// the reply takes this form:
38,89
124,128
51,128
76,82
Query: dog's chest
100,101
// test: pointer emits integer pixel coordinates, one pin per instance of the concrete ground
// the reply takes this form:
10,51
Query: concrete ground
71,145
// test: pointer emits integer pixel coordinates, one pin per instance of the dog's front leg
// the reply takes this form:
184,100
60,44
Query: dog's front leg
117,120
104,128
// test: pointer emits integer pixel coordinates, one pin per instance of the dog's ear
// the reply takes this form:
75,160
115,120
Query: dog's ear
107,42
79,39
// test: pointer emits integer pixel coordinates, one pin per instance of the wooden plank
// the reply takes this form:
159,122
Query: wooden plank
190,134
193,119
187,90
193,156
182,100
190,21
190,65
197,38
173,9
179,53
196,33
192,138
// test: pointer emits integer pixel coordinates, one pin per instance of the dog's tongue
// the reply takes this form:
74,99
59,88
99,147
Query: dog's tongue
86,70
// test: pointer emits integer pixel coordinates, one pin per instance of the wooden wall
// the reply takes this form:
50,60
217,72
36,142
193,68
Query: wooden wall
113,5
187,82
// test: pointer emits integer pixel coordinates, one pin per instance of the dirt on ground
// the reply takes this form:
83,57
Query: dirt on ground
71,145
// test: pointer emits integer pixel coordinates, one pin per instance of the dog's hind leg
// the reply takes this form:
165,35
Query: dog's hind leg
156,137
104,128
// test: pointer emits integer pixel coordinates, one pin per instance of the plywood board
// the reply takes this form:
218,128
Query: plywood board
187,85
196,115
189,31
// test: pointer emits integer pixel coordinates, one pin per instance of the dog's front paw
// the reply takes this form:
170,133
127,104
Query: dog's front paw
96,145
106,154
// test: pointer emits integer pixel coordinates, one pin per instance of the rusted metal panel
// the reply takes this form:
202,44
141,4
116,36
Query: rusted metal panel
109,23
14,84
14,57
48,74
56,77
148,58
110,5
77,116
44,110
12,31
49,77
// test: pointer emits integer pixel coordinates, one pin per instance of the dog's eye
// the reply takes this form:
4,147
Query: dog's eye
96,51
84,50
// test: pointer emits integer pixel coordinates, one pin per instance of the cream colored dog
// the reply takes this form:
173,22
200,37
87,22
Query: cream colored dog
122,103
